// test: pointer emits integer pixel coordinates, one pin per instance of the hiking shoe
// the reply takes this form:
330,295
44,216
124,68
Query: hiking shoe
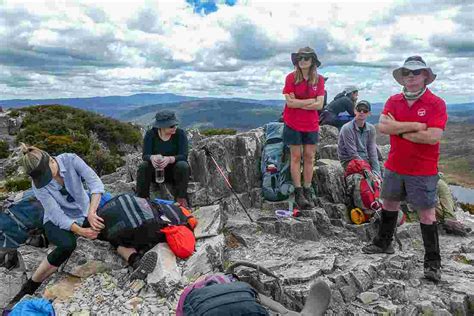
433,274
308,194
372,249
300,199
146,266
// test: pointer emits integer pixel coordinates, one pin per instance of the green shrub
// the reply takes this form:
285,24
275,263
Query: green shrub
58,129
218,131
4,149
17,184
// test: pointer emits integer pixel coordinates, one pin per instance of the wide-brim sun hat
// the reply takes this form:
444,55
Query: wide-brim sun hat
305,51
42,174
414,63
165,118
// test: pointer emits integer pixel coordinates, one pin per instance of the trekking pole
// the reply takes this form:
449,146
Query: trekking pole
208,153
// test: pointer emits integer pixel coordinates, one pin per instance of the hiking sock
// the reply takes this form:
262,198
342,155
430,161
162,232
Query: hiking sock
134,260
432,259
28,288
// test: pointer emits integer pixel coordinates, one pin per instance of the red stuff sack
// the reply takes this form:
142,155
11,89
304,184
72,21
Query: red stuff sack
181,240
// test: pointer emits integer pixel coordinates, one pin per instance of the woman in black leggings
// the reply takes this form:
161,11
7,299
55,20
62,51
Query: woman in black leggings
69,212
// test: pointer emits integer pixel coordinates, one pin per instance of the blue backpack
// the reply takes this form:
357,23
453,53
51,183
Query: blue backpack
225,299
275,164
18,219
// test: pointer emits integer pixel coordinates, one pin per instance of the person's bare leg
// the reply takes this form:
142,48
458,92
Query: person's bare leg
125,252
295,164
308,163
43,271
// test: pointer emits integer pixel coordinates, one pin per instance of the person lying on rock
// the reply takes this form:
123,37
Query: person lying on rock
165,151
343,102
68,210
357,139
304,95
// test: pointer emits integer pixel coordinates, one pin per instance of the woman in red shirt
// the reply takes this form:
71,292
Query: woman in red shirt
304,94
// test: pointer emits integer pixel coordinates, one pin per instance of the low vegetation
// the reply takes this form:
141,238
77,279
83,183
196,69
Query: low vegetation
218,131
4,149
58,129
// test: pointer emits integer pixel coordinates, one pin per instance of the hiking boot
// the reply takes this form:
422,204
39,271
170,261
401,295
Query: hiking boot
300,199
308,194
432,274
432,262
382,243
372,248
146,266
455,227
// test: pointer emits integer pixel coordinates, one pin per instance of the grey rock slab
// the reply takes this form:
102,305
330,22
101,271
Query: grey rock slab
210,221
30,257
166,276
93,256
11,282
329,180
209,257
368,297
298,228
328,152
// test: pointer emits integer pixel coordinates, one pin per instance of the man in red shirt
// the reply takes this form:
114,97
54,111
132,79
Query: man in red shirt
415,120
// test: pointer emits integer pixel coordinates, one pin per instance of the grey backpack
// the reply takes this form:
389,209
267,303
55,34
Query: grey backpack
275,164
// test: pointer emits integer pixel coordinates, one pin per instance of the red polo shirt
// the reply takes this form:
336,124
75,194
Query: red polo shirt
406,157
299,119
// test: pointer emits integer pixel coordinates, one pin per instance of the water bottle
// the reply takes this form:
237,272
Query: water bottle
159,175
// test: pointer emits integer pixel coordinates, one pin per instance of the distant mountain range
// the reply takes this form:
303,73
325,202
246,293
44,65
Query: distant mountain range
238,113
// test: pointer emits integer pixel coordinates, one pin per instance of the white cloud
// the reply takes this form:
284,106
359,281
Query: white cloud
86,48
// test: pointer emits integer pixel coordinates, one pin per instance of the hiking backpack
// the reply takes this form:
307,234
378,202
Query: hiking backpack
364,191
219,296
275,164
19,218
131,221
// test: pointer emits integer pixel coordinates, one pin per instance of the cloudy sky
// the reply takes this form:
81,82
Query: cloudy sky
238,48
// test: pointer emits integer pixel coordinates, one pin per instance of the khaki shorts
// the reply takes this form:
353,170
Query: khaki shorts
419,191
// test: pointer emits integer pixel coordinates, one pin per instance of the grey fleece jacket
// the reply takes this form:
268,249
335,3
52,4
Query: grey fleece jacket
358,143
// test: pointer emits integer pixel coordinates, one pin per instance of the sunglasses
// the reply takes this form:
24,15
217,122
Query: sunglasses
406,72
69,197
362,110
305,58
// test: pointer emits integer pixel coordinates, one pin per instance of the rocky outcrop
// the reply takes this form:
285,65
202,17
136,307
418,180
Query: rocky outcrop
322,243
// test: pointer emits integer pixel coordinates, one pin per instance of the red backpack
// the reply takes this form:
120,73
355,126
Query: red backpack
363,186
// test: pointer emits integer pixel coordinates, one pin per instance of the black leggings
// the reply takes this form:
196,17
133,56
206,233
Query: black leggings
64,240
176,174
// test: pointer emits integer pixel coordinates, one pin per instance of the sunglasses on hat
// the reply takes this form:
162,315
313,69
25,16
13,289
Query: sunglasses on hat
406,72
69,197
